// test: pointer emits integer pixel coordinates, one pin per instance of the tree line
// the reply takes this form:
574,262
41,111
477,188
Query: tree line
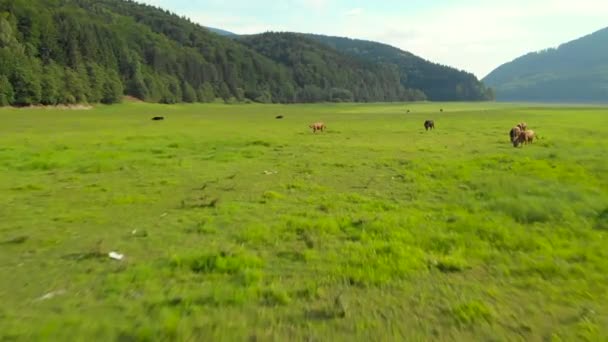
97,51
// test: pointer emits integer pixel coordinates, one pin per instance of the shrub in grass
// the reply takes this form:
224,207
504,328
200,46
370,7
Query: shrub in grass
471,313
218,263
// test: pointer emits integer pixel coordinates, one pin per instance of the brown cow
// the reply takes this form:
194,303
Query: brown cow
524,138
523,126
429,124
514,133
318,126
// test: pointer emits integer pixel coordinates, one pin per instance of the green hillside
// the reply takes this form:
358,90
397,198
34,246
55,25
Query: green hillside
66,51
78,51
438,82
574,72
313,66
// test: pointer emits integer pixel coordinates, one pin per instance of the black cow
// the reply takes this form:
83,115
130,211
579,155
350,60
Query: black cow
158,118
278,117
429,124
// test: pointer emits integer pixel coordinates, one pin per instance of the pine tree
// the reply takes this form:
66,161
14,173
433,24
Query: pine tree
206,93
52,84
112,89
7,95
189,93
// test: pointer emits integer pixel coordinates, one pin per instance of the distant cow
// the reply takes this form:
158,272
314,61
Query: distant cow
408,110
158,118
525,137
514,133
318,126
429,124
441,110
278,117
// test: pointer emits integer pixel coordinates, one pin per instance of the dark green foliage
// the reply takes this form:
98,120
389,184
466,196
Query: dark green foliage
422,78
340,95
575,72
112,88
26,83
318,71
189,93
7,95
206,93
52,84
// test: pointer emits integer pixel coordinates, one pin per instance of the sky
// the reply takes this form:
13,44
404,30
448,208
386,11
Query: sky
472,35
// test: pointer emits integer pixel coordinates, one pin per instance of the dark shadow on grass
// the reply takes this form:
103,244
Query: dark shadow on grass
15,241
201,203
601,221
324,314
84,256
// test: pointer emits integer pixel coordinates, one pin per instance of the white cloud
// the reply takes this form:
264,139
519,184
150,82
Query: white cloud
355,12
314,4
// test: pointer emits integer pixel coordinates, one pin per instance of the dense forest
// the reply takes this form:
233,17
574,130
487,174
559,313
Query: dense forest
438,82
574,72
324,74
75,51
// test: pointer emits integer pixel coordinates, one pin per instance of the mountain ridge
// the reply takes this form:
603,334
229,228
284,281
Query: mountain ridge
438,82
575,71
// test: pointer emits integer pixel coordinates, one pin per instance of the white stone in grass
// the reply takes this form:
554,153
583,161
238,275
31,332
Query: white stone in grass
51,295
116,256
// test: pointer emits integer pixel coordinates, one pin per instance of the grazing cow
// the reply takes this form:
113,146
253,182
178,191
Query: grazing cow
514,133
158,118
524,138
318,126
278,117
429,124
523,126
441,110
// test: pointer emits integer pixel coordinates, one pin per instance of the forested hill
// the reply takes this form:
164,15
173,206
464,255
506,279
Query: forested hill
315,68
438,82
574,72
65,51
72,51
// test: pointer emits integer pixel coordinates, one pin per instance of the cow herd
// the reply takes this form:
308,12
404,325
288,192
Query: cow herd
520,135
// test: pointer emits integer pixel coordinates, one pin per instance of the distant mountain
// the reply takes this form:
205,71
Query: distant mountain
221,32
574,72
438,82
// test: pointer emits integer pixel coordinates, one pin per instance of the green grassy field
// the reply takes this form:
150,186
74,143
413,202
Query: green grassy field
239,227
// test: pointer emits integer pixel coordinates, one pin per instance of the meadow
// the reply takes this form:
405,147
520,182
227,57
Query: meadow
236,226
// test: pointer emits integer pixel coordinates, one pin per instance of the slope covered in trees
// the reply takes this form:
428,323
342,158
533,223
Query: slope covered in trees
65,51
72,51
324,74
574,72
438,82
